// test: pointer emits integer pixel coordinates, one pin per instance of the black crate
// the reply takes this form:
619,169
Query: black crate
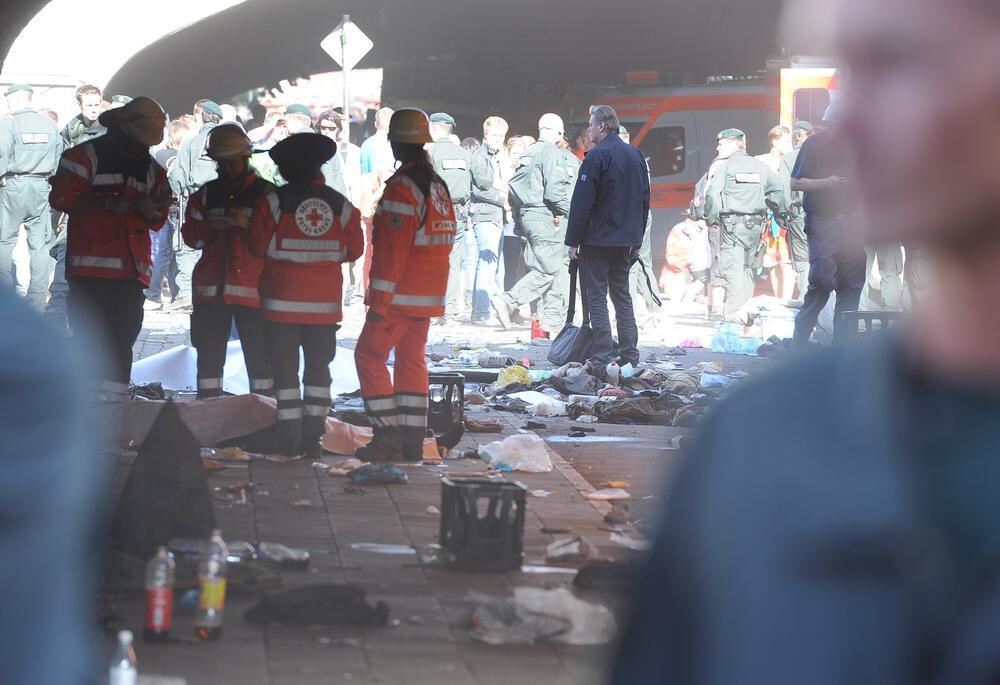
482,523
446,405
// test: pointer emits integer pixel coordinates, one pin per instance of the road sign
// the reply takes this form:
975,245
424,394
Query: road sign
347,44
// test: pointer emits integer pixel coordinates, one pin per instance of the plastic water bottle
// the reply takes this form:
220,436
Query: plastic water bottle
124,666
159,596
614,373
212,584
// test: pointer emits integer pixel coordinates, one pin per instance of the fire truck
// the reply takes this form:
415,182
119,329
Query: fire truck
676,126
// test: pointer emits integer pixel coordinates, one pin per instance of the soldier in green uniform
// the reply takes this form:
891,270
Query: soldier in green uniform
737,200
453,163
81,128
798,245
30,147
542,190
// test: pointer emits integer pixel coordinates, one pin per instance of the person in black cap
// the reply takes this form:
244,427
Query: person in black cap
305,230
30,146
453,164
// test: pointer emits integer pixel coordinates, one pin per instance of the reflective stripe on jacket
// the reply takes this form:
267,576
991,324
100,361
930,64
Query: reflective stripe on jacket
304,235
414,229
103,244
218,223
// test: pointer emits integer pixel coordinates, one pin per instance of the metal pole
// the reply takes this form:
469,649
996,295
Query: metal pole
347,91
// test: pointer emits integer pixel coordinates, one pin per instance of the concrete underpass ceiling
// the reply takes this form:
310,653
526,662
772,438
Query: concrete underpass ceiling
492,55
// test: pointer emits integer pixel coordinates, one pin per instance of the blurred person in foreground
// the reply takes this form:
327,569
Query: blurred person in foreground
50,480
861,547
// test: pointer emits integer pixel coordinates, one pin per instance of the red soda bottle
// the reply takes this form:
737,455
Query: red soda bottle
159,596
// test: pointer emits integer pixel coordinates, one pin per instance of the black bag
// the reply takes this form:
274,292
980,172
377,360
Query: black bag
574,343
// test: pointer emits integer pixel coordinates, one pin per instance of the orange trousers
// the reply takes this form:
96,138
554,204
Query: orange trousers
401,400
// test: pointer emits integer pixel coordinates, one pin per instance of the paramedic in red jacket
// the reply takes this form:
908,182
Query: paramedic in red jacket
414,228
305,231
227,276
114,193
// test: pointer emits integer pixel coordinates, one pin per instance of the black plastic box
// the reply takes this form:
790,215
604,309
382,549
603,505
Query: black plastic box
482,523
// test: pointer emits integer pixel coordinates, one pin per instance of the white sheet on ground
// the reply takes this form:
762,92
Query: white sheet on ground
177,369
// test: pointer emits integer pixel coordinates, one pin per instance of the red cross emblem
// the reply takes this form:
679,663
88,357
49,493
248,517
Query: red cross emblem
314,217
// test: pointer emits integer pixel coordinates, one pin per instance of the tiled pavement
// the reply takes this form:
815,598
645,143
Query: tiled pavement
301,506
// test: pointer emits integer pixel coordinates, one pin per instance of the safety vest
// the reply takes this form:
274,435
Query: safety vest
226,271
304,234
414,228
103,244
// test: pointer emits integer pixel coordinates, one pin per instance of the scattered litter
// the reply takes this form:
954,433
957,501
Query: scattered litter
716,380
380,548
474,426
545,570
680,441
711,367
539,493
344,467
302,503
618,515
513,374
557,531
315,605
239,551
577,434
538,615
521,452
379,474
587,418
280,554
628,370
225,454
631,543
497,621
282,458
615,484
613,392
474,399
571,550
433,511
320,465
534,425
607,495
355,491
540,404
435,555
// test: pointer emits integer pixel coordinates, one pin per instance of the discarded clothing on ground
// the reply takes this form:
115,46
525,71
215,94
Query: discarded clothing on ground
539,615
319,605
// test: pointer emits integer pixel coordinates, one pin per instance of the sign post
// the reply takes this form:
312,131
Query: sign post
347,45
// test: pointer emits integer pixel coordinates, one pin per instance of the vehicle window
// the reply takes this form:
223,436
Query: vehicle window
810,104
666,149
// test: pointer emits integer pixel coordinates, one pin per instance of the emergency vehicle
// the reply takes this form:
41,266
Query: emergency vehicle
676,126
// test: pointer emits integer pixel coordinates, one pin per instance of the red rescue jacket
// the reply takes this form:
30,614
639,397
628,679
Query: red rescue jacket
304,234
414,228
226,272
103,244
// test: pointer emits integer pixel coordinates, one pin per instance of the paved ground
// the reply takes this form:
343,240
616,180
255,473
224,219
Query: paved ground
300,506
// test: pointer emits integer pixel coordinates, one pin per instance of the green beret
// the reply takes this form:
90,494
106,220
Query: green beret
303,149
731,133
120,99
212,107
443,118
298,108
18,88
802,126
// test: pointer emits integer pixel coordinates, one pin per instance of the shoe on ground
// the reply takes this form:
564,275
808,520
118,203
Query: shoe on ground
152,306
502,311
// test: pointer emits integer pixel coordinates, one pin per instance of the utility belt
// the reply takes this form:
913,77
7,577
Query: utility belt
749,220
4,178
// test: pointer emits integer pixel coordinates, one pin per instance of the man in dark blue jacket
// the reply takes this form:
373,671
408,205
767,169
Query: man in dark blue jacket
607,220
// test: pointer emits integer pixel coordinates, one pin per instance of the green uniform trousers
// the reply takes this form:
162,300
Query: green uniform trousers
740,239
25,200
547,259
